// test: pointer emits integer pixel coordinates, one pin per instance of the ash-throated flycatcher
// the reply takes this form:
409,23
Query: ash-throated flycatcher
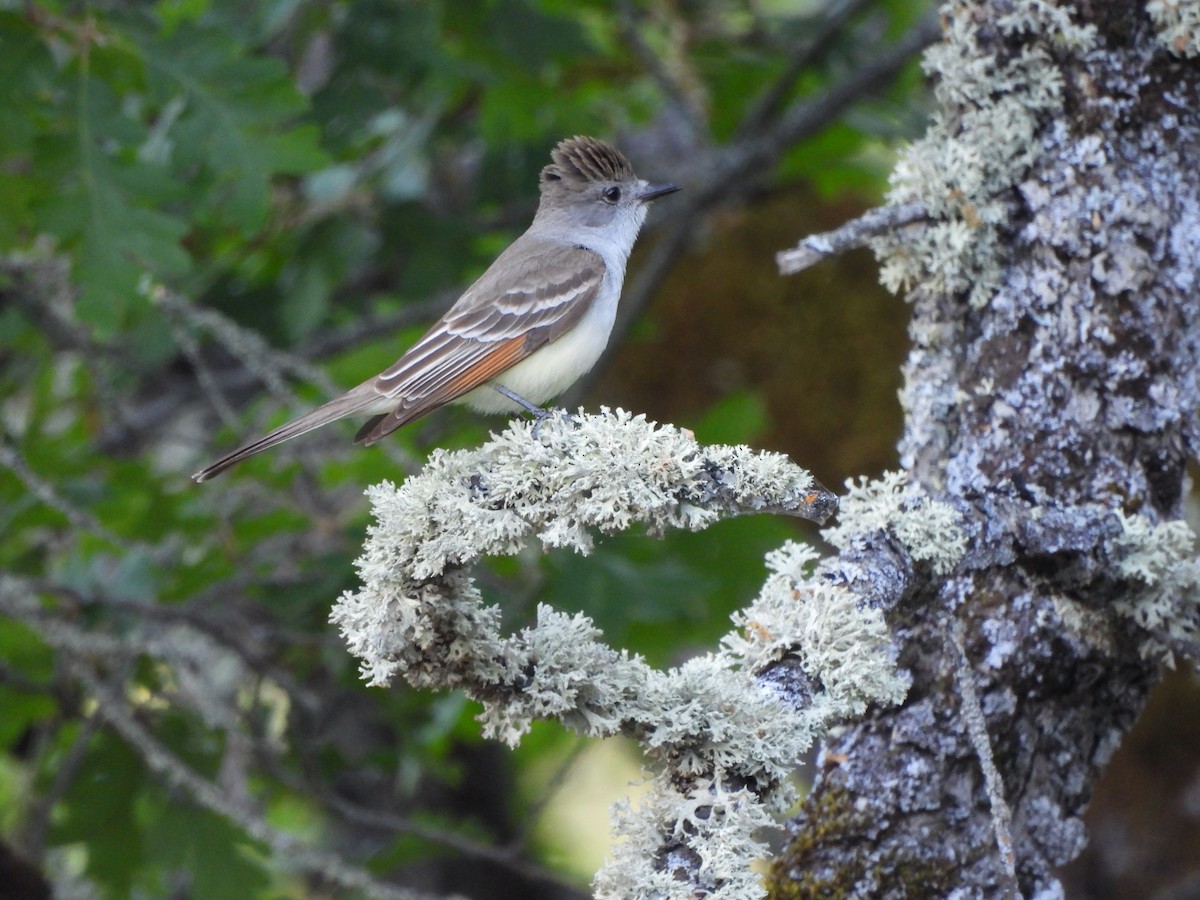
536,320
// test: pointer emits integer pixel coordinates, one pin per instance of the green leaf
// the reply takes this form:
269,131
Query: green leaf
26,71
685,584
240,123
23,651
157,134
104,208
216,857
99,811
736,419
174,13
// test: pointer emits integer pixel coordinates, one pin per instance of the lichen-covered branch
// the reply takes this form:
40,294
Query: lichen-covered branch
856,233
721,732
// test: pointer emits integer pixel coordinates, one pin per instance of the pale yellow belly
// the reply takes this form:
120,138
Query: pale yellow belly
552,369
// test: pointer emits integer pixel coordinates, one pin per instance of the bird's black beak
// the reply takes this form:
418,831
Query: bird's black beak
654,191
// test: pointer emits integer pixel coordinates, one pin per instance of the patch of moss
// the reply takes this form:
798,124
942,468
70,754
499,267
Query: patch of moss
802,870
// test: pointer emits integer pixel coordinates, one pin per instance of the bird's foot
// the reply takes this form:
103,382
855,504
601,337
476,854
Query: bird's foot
540,413
547,414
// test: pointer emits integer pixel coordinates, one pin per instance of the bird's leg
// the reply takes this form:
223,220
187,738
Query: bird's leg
532,408
539,413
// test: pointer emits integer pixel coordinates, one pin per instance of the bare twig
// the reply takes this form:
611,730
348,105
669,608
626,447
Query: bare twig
66,770
368,328
58,631
811,116
257,359
852,234
506,857
682,99
204,375
79,518
113,707
245,640
976,723
771,101
255,355
41,289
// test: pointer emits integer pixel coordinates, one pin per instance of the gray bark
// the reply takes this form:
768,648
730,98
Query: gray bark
1067,395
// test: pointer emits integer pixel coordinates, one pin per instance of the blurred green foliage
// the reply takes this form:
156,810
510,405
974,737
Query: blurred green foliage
320,175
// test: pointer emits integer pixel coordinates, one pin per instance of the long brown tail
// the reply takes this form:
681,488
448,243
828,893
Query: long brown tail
347,405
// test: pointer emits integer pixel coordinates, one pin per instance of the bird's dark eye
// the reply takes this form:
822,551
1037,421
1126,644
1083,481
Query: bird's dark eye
612,194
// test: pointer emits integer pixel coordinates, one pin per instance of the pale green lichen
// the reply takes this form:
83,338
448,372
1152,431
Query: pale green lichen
1178,25
602,472
711,715
1161,559
928,529
720,742
839,641
711,832
562,656
979,145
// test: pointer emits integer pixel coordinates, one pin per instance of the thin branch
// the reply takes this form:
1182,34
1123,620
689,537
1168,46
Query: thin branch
807,53
112,706
41,289
80,519
66,770
853,234
809,117
365,329
976,722
80,642
244,639
204,375
682,99
254,354
534,814
506,857
309,786
257,359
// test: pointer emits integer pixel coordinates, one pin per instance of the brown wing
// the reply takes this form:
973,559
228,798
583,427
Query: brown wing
534,293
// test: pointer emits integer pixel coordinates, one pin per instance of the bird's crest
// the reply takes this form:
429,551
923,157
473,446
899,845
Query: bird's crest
580,161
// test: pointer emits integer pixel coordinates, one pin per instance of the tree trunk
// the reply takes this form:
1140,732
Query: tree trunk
1050,398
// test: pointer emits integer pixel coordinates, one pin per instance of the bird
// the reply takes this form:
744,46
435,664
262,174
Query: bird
536,320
